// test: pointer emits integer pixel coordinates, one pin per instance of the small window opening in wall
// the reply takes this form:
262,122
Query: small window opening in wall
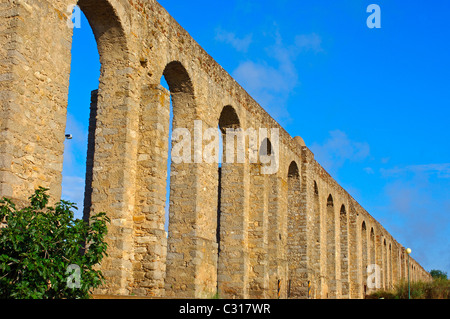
330,201
266,148
143,61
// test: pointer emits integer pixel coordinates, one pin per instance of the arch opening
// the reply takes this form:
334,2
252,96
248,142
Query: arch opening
330,201
364,258
296,239
228,119
176,80
331,242
293,170
230,218
344,252
180,208
99,51
79,146
316,189
265,149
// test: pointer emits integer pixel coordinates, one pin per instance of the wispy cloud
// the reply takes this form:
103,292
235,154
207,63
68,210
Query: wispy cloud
438,170
74,166
268,85
338,149
240,44
76,148
73,191
417,202
309,42
271,81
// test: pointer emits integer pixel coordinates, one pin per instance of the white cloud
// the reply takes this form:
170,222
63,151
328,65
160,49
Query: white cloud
74,166
239,44
73,191
271,84
338,149
439,170
261,77
309,42
417,209
75,149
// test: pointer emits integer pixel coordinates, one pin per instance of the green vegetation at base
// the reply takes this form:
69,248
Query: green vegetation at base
47,254
436,289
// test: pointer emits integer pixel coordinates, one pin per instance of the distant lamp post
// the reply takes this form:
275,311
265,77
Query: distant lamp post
408,251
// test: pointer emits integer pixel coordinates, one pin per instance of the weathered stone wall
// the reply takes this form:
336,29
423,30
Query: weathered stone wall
294,233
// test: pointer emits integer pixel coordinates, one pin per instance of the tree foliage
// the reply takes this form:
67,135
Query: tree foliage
46,253
438,274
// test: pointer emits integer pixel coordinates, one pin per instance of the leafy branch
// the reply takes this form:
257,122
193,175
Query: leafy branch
39,242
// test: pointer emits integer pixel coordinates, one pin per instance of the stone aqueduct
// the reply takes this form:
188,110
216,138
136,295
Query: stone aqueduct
232,230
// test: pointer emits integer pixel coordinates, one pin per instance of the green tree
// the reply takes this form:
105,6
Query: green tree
46,253
438,274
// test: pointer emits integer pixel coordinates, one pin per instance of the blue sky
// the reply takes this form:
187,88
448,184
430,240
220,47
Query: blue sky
372,104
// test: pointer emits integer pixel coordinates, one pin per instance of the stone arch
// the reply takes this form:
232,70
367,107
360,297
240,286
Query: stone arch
112,48
389,266
108,28
364,257
231,274
265,148
317,243
115,120
293,171
265,231
354,248
112,45
330,202
277,233
234,141
385,261
182,107
181,267
180,85
401,265
268,156
297,241
229,119
344,252
372,247
164,210
261,214
331,248
44,83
